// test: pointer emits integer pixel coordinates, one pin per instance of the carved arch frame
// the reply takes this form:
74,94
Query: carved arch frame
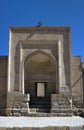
48,49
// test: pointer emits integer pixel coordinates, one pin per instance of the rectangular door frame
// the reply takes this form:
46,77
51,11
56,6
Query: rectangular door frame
44,89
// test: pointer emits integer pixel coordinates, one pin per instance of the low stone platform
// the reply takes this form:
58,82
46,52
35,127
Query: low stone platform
21,105
46,114
44,128
42,123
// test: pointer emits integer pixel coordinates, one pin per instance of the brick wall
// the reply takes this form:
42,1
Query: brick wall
3,82
76,77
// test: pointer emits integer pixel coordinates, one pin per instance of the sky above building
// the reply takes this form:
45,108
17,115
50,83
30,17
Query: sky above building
50,13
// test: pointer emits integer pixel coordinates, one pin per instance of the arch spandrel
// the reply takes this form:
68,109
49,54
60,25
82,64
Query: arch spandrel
39,52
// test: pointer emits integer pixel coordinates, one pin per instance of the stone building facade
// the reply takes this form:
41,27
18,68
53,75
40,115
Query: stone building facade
40,75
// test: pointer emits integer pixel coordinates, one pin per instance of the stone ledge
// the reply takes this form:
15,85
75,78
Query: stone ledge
43,128
42,29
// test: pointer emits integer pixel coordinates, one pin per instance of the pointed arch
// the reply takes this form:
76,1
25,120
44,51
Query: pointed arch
39,66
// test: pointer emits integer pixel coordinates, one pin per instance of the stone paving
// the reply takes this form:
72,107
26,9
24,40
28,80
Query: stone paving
41,122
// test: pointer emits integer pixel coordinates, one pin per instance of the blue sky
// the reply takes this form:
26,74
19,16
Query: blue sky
50,13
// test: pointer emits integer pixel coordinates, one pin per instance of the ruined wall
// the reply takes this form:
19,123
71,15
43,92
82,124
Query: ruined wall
3,81
76,78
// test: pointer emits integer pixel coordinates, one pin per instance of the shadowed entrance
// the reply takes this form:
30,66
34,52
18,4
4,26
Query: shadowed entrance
40,80
40,74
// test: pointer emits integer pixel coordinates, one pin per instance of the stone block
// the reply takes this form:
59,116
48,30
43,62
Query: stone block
8,111
27,97
60,104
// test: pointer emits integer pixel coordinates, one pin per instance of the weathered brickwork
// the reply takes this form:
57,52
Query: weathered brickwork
3,73
61,104
3,82
16,103
77,78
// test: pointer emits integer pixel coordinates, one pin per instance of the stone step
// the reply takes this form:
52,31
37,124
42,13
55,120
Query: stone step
39,103
40,99
43,110
40,106
47,114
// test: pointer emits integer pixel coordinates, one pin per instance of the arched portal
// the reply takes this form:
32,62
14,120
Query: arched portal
39,74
